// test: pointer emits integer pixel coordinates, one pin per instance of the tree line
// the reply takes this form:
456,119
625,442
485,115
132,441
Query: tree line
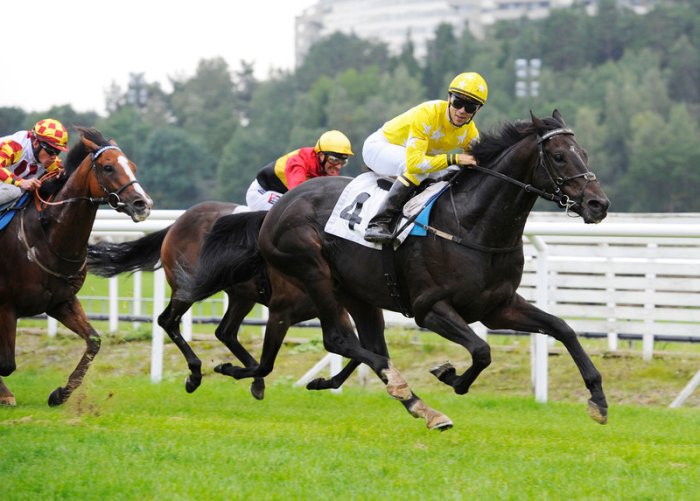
629,85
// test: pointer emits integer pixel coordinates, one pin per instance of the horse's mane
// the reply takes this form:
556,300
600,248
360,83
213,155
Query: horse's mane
493,143
75,157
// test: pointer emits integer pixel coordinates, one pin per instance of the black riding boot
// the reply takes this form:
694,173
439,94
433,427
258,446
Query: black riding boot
381,227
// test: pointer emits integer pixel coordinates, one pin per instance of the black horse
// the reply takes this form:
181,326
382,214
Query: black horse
468,271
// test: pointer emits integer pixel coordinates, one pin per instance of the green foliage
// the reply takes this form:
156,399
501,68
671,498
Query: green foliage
173,166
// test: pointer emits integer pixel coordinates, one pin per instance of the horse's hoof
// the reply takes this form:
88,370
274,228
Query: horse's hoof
192,383
443,370
443,423
224,369
317,384
8,401
57,397
257,389
597,412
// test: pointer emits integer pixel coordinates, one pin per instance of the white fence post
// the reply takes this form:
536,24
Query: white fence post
136,302
113,304
52,326
157,332
540,346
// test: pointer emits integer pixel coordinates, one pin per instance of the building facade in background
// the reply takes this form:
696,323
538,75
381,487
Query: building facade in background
394,21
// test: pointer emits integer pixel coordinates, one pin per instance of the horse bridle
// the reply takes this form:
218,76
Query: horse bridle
557,181
112,198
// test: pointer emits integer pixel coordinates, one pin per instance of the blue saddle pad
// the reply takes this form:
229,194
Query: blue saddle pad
423,218
9,209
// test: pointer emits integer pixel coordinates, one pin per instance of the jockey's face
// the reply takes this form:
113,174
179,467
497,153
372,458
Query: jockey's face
462,110
47,154
333,163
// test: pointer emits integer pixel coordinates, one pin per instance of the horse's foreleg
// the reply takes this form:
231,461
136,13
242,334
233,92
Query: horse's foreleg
523,316
72,315
8,334
227,333
444,320
6,396
169,320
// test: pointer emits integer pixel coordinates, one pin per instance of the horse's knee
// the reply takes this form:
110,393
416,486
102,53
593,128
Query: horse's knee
481,356
7,367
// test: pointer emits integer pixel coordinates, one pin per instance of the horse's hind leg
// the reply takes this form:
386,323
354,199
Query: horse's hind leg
227,333
169,320
522,316
72,315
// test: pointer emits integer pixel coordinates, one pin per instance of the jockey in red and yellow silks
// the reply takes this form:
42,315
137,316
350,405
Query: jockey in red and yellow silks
26,155
422,141
326,158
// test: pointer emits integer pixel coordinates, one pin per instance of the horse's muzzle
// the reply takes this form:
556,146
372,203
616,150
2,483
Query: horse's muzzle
138,209
594,210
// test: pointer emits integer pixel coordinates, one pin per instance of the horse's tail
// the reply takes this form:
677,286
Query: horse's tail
108,259
230,255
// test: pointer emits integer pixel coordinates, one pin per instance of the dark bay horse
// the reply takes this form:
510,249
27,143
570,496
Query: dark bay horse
177,248
468,270
44,248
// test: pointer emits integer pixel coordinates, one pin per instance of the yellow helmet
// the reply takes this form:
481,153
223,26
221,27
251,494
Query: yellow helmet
471,85
333,141
52,132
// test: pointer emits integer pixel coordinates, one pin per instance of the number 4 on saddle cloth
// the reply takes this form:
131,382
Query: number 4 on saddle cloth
361,200
8,210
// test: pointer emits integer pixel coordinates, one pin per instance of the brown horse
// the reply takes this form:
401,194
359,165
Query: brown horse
177,249
44,248
469,269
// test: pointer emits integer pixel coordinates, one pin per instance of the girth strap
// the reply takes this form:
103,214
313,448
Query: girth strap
392,281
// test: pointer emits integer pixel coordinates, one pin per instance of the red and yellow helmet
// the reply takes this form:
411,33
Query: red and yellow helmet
470,85
51,132
333,141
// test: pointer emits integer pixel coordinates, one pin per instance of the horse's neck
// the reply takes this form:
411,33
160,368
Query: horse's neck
494,211
69,225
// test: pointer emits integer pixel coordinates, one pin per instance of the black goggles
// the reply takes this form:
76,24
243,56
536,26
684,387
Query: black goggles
469,106
337,158
50,150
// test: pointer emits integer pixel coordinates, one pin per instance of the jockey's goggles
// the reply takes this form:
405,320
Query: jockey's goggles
469,106
50,150
337,158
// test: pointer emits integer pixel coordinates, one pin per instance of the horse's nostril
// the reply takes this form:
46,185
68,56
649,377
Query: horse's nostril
598,206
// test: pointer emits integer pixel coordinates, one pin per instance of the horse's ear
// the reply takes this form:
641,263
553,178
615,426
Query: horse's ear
89,144
557,116
113,142
539,124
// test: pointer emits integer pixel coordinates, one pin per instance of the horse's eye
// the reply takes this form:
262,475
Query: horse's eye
108,168
558,157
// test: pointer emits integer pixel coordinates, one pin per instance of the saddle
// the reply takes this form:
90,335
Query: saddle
8,210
